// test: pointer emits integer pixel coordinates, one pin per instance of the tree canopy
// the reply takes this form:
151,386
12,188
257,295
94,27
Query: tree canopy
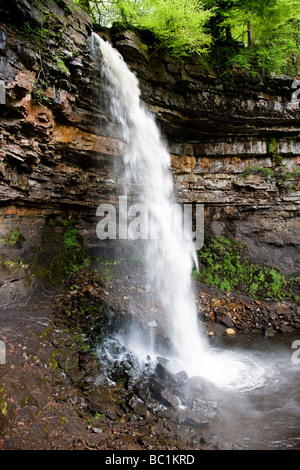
257,35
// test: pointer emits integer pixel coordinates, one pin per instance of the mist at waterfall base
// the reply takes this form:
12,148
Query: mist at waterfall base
146,174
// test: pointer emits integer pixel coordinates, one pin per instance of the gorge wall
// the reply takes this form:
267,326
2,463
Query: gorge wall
234,140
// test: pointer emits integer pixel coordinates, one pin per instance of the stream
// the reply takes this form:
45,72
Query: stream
266,413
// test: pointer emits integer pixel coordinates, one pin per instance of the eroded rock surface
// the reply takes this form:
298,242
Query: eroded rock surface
59,146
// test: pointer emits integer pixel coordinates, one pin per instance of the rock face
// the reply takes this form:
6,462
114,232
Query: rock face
234,144
234,141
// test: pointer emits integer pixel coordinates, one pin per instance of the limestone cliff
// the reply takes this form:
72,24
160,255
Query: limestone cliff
234,140
235,146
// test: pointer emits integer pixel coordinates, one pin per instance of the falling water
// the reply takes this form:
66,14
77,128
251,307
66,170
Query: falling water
147,165
170,261
247,375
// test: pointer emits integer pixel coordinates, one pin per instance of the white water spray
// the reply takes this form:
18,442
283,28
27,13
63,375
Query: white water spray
147,165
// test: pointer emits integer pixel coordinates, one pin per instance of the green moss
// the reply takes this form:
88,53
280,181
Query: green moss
62,67
289,180
40,88
273,146
257,170
3,411
14,238
62,252
3,403
33,33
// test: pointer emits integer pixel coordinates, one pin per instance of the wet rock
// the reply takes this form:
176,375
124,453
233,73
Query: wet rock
190,418
181,377
224,320
156,386
131,47
169,398
95,405
199,384
164,374
68,361
142,390
269,332
285,329
164,391
2,39
138,407
87,362
87,383
95,430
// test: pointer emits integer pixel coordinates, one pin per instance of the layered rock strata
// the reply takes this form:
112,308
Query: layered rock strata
234,140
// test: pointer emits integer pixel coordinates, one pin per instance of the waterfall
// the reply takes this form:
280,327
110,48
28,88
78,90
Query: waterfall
147,166
169,258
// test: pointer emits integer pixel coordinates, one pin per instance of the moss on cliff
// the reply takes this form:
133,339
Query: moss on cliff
61,253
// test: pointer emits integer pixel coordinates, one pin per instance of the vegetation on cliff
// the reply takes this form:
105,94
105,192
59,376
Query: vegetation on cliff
224,265
255,35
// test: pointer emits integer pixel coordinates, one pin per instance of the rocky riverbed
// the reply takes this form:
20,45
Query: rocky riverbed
60,389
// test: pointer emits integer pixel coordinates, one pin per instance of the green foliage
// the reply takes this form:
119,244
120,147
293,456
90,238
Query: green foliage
254,35
3,403
33,33
257,170
62,66
14,238
291,174
14,265
40,87
289,180
107,271
53,30
179,26
273,146
274,26
222,266
62,252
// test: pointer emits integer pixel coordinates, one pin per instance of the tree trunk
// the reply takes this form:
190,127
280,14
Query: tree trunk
228,34
250,32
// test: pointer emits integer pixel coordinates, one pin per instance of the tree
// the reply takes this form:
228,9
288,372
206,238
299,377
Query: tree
267,30
84,4
177,24
220,31
257,35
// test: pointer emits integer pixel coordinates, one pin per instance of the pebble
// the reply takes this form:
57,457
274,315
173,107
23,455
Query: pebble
230,332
